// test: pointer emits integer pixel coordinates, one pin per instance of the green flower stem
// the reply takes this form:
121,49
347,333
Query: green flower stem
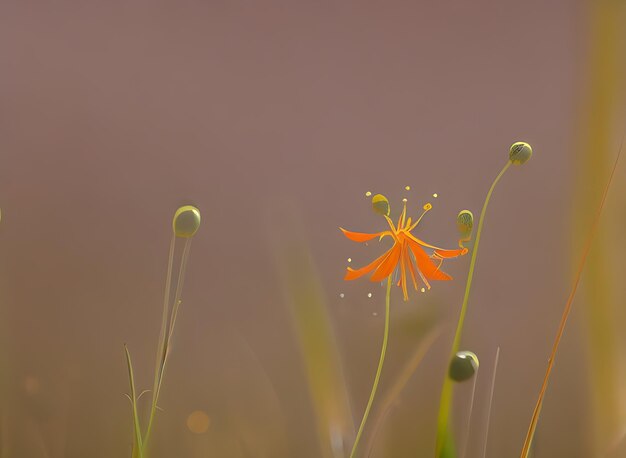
446,391
165,334
383,351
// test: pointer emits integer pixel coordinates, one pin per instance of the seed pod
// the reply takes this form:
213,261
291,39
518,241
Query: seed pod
463,366
465,222
186,221
520,152
380,204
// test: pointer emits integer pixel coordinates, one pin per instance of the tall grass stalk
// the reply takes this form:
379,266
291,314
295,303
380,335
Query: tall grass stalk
468,428
137,440
604,68
317,342
400,383
490,404
185,224
167,329
566,311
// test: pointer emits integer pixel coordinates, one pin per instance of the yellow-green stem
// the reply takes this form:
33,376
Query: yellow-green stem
446,391
383,351
165,335
137,442
162,334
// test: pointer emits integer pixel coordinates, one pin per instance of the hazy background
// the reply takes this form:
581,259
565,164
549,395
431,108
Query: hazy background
275,118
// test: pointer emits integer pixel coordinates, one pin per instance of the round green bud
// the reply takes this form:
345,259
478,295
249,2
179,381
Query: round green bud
380,204
186,221
465,222
463,366
520,152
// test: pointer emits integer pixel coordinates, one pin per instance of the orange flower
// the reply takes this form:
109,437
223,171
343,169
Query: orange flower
407,252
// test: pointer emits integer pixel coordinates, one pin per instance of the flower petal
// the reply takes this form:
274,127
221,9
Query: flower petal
353,274
447,254
422,243
403,255
425,264
388,265
360,236
409,262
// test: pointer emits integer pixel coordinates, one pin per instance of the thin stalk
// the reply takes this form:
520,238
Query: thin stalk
167,325
493,385
166,307
137,443
446,391
394,392
469,416
383,351
174,312
566,311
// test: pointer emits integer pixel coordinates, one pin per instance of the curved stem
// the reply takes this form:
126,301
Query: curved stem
446,392
378,371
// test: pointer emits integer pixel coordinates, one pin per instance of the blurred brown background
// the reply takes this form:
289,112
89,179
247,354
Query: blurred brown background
275,118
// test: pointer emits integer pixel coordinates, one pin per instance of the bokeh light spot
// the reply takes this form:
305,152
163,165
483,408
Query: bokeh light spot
198,422
32,385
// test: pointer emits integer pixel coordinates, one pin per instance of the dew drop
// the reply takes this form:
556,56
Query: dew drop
369,294
423,290
341,295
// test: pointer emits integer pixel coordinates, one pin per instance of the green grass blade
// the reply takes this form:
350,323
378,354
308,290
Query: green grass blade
137,441
317,342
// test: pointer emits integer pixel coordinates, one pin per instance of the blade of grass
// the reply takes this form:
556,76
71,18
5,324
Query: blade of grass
603,105
466,439
137,442
491,391
316,338
405,375
167,328
566,311
163,333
